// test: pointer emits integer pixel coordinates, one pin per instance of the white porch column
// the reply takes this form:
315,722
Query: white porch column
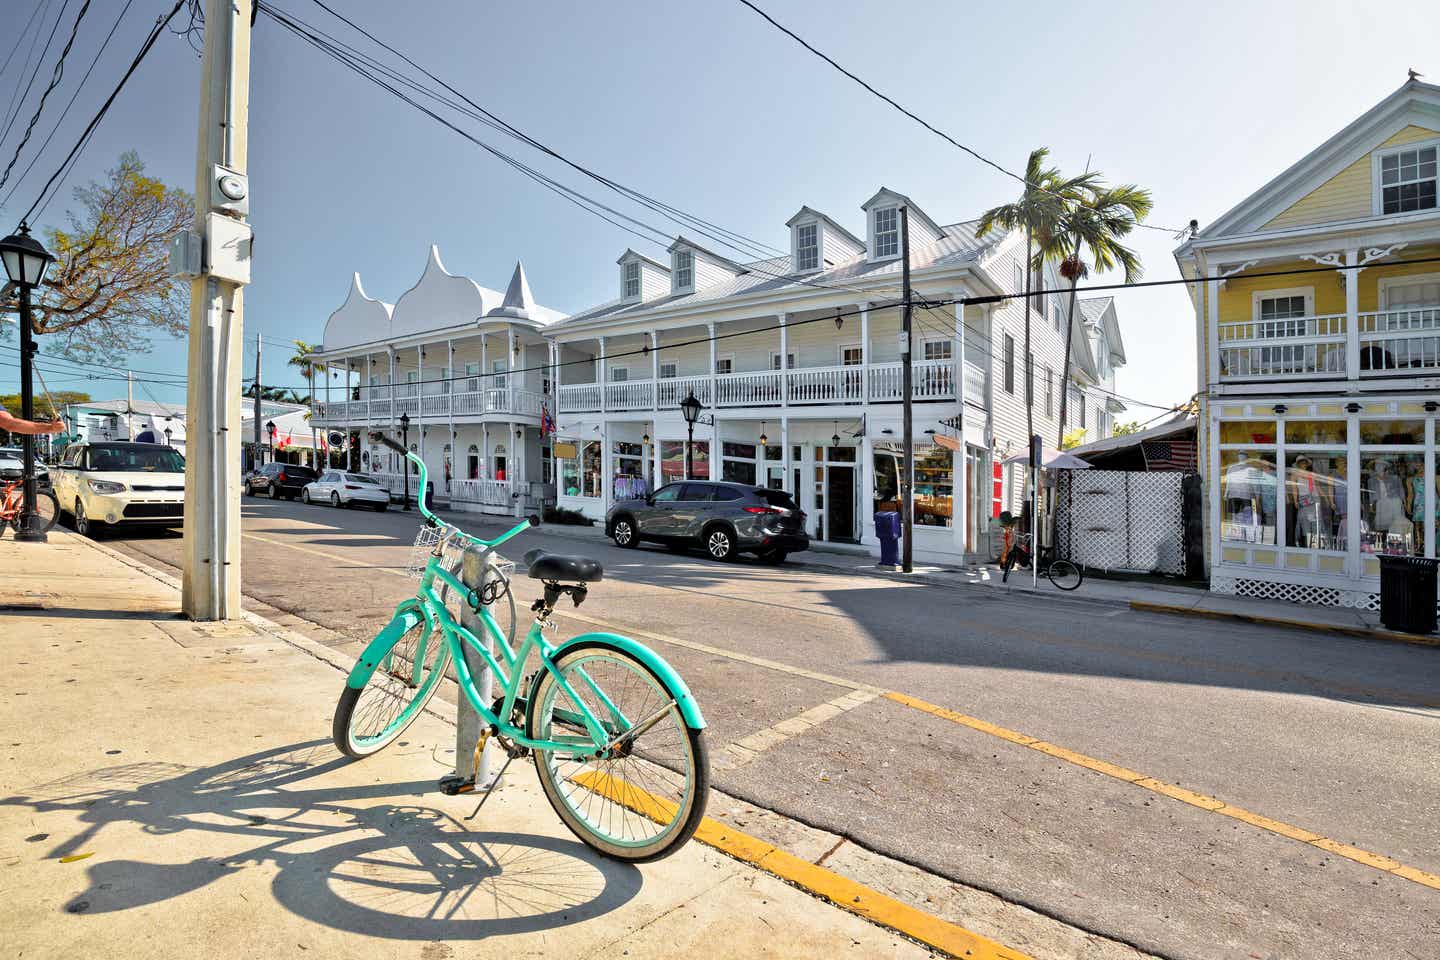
785,458
607,480
655,367
988,313
419,415
394,414
486,473
713,464
329,376
784,359
959,472
518,482
453,438
865,351
485,382
655,478
602,372
867,488
1351,279
714,397
510,364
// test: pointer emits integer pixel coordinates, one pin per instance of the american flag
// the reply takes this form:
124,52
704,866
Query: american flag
1169,455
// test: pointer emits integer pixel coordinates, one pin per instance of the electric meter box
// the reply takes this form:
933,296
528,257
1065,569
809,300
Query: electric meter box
186,262
227,248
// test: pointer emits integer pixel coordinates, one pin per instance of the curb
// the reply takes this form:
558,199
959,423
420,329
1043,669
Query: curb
1264,620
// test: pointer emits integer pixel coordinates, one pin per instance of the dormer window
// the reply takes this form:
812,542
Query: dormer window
630,285
684,269
886,235
807,247
1408,179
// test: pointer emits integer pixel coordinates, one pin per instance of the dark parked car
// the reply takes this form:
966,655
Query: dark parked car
276,480
727,519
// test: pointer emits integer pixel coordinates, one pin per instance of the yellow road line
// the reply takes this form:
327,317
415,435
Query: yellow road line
856,898
1362,632
1190,797
1200,801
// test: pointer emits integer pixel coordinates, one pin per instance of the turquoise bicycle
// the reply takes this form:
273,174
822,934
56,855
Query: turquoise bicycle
617,739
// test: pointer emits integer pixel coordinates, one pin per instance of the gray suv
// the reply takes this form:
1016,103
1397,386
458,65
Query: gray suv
727,519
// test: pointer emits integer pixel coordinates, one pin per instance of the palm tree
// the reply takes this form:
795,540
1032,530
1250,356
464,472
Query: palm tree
1042,207
303,359
1096,224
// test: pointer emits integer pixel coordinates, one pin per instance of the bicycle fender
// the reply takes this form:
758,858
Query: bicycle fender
666,673
407,615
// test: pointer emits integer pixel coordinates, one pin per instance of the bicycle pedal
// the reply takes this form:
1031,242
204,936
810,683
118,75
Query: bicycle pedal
452,785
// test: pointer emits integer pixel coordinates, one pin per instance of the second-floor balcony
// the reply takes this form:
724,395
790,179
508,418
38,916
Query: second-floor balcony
932,380
1328,346
383,404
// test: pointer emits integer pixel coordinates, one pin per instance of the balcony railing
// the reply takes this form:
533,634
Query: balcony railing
1298,347
1400,341
490,493
439,406
932,380
977,384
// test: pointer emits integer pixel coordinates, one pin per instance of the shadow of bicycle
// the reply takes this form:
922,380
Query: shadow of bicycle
344,856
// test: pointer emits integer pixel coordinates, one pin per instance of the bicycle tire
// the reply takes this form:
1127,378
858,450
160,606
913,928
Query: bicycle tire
1065,575
48,506
395,701
633,784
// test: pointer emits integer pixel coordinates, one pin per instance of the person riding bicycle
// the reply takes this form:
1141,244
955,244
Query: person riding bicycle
13,424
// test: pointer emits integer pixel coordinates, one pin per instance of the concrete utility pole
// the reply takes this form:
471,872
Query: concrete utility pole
129,405
907,480
212,464
256,424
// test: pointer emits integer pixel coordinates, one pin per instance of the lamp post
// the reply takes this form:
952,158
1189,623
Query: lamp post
26,261
405,464
690,410
167,436
270,429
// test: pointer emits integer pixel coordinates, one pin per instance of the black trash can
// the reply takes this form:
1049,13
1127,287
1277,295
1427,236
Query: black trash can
1407,593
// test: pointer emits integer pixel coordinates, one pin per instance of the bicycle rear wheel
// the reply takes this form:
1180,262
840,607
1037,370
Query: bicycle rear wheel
47,506
641,800
404,673
1065,575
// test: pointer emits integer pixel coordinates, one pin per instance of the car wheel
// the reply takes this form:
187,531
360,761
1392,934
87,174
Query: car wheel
274,491
623,533
720,543
83,524
305,495
334,498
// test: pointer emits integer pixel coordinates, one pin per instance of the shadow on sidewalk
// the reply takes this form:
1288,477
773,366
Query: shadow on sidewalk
345,856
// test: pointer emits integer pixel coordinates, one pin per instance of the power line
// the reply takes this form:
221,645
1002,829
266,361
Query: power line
66,112
939,133
96,363
12,116
42,201
19,39
55,77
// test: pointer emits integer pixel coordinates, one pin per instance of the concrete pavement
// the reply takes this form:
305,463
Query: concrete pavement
168,783
1154,775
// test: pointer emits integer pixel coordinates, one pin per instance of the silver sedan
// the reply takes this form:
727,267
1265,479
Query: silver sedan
341,489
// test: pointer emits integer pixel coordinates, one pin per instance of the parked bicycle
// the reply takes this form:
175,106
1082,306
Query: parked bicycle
615,734
12,504
1018,553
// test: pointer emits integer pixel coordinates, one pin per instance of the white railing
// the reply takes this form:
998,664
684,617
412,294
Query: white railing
437,405
1400,341
468,403
827,384
930,380
579,398
629,395
671,390
407,404
491,493
977,383
1294,347
379,408
747,389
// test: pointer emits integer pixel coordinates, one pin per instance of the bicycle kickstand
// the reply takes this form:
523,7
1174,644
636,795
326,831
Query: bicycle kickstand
494,782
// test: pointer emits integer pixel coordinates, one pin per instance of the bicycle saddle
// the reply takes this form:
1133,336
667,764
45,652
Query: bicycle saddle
555,568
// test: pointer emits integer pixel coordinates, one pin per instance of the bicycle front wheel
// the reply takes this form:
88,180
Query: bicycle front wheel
642,799
1065,575
406,665
47,506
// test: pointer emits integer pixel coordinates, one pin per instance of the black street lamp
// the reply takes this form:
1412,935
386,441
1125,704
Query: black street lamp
26,261
270,429
167,436
405,465
690,410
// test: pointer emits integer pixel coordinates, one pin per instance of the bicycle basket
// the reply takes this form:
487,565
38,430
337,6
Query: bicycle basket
427,542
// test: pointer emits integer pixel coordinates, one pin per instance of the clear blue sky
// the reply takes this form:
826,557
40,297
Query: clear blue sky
708,107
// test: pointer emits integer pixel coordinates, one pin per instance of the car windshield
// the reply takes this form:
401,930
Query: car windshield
360,478
137,459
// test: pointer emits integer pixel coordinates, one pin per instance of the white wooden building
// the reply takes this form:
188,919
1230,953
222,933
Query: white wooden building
466,364
797,362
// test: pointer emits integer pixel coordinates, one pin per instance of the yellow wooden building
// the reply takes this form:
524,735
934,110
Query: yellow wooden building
1318,328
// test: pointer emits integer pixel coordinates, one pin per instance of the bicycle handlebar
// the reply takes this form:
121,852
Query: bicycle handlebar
515,531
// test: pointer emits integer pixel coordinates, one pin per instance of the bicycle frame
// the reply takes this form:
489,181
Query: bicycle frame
509,666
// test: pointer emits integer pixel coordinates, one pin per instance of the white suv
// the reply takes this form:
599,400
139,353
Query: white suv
100,484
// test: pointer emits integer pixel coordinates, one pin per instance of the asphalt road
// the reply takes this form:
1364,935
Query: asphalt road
1324,734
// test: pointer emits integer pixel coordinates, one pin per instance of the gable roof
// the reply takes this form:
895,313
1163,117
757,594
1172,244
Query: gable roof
885,193
1100,311
631,254
683,241
830,221
1413,101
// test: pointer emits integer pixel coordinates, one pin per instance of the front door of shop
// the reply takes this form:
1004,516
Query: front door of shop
840,490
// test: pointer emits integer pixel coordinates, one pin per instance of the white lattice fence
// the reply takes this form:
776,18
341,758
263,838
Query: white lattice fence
1121,520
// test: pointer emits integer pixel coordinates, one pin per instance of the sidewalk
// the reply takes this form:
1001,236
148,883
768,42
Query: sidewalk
170,783
1148,596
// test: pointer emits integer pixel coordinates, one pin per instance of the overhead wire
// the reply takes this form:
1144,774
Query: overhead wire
19,39
19,104
56,76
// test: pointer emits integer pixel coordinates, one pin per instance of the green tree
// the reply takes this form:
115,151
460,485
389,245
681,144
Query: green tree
303,360
1041,209
11,402
1126,428
110,288
1094,226
1072,438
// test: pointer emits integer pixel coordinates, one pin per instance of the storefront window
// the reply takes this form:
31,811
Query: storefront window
1392,432
672,460
1315,432
1247,431
629,465
591,475
1316,499
570,476
774,452
1247,496
738,462
1392,502
934,494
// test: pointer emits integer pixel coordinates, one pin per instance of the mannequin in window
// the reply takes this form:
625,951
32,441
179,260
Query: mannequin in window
1415,504
1248,487
1311,501
1389,502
